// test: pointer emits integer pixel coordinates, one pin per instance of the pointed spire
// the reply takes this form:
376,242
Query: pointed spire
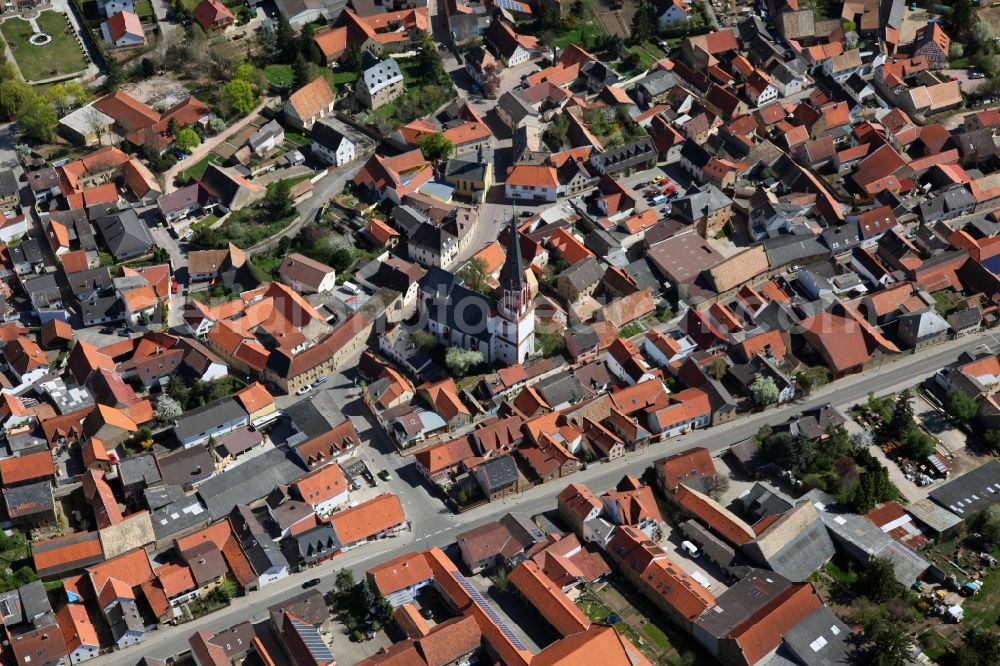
512,272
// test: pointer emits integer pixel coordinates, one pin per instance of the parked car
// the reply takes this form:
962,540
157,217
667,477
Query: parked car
318,382
303,390
385,475
174,287
124,332
188,235
312,582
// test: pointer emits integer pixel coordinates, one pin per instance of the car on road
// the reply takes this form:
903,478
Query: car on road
312,582
188,235
427,613
320,381
976,75
107,330
303,390
385,475
124,333
174,287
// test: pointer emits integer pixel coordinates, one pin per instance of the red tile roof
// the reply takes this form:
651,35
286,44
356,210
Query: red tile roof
555,607
32,467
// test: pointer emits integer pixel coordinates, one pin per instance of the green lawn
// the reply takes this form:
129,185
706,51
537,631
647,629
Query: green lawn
656,635
292,182
62,55
340,78
279,76
946,301
648,53
583,35
196,170
144,10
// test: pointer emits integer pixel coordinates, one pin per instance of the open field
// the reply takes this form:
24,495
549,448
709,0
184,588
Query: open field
62,55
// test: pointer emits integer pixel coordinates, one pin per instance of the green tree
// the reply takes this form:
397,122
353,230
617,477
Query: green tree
473,273
435,146
178,389
278,200
429,61
66,95
631,60
718,368
873,487
238,97
344,580
643,27
878,580
902,414
187,140
228,588
351,58
849,26
424,340
918,444
303,71
549,15
886,642
38,121
460,361
960,19
25,575
7,71
980,648
791,452
113,71
16,97
764,391
960,406
987,523
285,38
812,378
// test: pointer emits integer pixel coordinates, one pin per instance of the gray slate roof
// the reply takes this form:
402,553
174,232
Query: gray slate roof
971,492
382,74
248,482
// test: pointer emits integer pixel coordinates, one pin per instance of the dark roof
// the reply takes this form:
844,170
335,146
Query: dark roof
512,272
258,546
125,234
8,184
139,469
971,492
187,466
178,517
314,417
29,499
498,473
820,639
741,601
561,388
327,135
91,279
317,542
104,307
204,419
248,481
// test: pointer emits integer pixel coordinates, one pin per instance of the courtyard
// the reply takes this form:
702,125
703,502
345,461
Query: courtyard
62,55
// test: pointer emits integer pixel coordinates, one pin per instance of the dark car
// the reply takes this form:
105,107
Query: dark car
427,613
313,582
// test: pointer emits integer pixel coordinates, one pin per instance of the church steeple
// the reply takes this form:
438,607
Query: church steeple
512,272
515,295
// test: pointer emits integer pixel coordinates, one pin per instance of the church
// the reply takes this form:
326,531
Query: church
502,329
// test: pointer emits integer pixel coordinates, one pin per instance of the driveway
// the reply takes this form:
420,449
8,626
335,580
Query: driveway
206,147
965,82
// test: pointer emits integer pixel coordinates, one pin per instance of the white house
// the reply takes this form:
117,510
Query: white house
532,183
677,10
625,362
665,349
267,138
112,7
306,275
330,146
122,30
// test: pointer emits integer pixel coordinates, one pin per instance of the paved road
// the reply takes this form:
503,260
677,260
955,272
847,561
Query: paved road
323,190
438,528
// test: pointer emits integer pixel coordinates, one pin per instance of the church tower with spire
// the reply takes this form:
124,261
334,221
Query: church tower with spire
514,324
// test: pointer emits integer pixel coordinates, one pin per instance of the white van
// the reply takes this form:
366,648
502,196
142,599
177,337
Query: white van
690,549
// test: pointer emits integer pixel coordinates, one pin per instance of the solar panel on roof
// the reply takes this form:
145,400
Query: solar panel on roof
488,609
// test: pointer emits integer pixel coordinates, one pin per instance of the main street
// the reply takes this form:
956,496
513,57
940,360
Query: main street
436,528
